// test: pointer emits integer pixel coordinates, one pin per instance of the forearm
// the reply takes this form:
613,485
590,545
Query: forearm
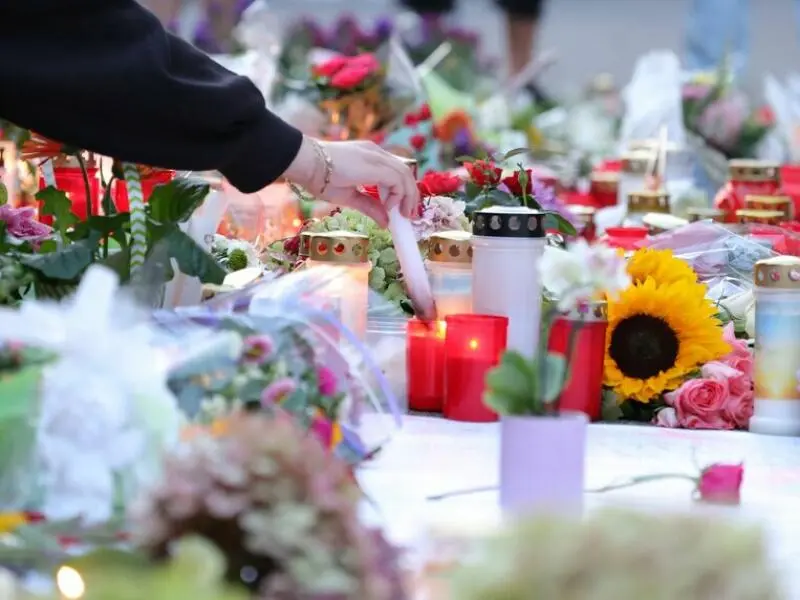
104,75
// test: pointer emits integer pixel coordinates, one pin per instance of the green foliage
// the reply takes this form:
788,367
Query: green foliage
237,259
3,193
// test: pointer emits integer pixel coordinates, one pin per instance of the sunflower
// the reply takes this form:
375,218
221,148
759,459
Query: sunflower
661,265
657,335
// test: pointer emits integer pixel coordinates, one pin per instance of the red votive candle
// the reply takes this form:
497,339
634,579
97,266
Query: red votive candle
583,391
70,180
425,365
121,200
472,347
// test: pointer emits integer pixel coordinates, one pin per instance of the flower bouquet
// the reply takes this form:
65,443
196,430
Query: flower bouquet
669,358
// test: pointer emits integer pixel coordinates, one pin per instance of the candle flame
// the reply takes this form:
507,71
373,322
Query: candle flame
297,223
441,329
473,344
70,583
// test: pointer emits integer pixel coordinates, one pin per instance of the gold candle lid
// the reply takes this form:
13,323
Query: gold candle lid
698,213
450,247
341,247
637,162
305,243
648,202
752,170
782,272
768,202
769,217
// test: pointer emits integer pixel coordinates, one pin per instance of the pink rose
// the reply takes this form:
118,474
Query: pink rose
739,381
327,381
721,483
740,356
277,391
666,417
739,409
366,61
22,224
699,404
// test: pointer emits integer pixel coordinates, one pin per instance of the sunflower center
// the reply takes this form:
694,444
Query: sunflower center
643,346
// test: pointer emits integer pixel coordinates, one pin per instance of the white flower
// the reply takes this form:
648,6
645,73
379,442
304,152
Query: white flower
741,308
440,213
97,420
582,273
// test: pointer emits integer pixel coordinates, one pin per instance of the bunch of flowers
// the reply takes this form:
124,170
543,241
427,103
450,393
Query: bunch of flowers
722,117
620,555
345,74
488,185
282,510
667,352
346,36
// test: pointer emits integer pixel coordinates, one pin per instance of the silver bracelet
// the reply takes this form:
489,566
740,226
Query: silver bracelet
326,160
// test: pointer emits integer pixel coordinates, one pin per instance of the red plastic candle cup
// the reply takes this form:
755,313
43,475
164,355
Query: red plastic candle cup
425,365
70,180
472,347
583,391
149,182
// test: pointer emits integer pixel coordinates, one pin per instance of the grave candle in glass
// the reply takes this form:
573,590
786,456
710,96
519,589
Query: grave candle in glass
70,180
425,365
746,177
450,272
583,390
507,245
472,347
346,252
643,202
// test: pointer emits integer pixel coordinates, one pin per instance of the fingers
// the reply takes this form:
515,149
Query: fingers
364,204
398,178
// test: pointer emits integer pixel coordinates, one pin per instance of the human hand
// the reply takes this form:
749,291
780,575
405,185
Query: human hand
347,166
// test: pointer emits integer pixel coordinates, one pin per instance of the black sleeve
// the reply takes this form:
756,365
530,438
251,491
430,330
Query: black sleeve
104,75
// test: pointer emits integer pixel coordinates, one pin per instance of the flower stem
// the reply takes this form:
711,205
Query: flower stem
641,479
85,174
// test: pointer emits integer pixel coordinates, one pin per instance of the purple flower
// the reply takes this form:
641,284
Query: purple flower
22,224
257,349
547,199
383,28
327,381
277,391
204,38
462,142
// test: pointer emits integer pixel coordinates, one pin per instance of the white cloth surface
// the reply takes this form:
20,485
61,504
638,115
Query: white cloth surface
430,456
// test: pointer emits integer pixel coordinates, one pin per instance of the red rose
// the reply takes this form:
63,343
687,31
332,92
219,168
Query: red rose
330,67
424,113
515,187
438,184
365,61
721,483
483,173
411,120
765,116
292,245
349,77
418,142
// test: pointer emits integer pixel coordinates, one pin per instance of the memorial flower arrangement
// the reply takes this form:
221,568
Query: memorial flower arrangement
668,356
234,255
575,279
281,509
621,556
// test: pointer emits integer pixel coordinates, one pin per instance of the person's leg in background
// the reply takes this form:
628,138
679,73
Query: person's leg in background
431,8
522,25
717,28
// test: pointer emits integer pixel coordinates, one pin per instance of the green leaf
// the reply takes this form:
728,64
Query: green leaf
109,208
465,158
56,204
18,392
515,152
511,386
67,264
3,193
174,202
48,246
555,372
556,221
192,259
120,263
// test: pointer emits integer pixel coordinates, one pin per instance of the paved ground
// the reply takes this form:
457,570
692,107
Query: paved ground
593,36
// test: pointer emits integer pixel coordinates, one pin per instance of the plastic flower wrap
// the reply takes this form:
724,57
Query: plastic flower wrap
620,556
92,404
282,345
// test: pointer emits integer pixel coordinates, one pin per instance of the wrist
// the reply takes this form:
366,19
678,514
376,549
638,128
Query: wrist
309,169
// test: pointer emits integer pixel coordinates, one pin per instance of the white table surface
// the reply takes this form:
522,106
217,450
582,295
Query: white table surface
430,456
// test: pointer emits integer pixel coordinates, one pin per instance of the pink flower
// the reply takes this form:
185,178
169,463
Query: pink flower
322,428
277,391
366,61
721,483
699,404
739,409
738,382
327,381
666,417
22,224
257,349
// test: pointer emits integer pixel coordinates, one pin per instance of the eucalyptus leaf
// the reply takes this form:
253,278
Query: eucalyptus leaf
192,259
176,201
554,374
556,221
66,264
